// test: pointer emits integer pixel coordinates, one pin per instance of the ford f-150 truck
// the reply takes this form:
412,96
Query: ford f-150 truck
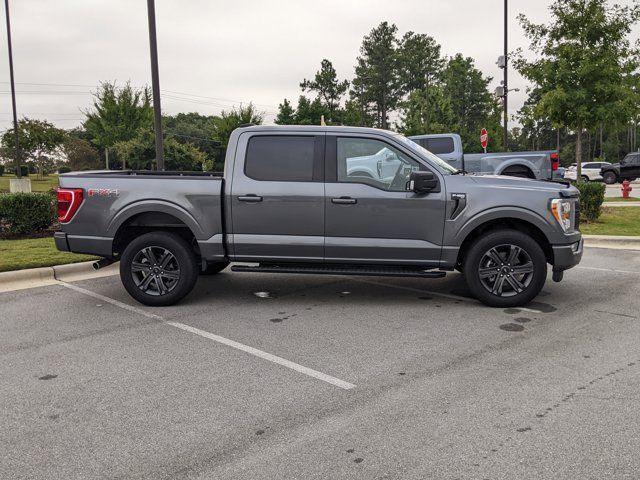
290,200
540,165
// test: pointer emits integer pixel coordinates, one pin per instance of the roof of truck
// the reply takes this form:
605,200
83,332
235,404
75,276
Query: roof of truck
314,128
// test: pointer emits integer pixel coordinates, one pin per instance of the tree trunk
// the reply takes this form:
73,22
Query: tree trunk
601,146
579,154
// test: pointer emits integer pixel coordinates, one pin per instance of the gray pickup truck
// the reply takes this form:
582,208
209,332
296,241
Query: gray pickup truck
541,165
290,201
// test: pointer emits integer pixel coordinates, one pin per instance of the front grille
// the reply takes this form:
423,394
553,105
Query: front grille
576,225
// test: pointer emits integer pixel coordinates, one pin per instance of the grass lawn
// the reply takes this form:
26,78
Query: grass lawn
44,185
614,221
621,199
34,252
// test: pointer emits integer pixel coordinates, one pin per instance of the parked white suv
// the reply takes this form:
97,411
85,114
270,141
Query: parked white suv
590,171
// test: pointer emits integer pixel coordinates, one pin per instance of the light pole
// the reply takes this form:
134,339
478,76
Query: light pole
155,84
13,94
506,88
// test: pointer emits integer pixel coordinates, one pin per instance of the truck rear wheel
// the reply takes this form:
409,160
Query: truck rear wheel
505,268
158,268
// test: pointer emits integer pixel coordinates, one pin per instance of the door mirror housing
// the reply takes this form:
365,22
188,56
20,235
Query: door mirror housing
422,182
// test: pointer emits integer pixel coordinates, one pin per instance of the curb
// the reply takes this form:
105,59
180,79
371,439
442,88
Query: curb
619,242
43,276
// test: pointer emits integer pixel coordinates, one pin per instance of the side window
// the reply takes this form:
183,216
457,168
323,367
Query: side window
280,158
374,163
634,160
590,165
423,142
440,145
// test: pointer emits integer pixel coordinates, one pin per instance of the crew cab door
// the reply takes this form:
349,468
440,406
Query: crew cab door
277,197
376,220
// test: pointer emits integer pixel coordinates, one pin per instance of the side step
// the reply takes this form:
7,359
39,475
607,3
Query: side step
363,270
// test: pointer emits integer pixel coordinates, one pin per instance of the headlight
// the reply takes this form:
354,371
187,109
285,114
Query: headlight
561,210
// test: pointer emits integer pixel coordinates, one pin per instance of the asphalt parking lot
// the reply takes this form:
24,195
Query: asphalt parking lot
285,376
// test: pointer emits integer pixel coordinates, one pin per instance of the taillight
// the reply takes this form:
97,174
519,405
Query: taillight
69,200
555,161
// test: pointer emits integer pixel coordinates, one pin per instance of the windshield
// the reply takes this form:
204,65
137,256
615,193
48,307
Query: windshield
448,169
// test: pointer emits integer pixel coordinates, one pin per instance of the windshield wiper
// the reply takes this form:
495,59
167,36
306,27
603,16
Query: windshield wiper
460,172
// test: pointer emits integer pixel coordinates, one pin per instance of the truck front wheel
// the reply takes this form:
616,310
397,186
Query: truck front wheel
158,268
505,268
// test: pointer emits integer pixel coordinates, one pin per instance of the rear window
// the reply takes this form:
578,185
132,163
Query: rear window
440,145
280,158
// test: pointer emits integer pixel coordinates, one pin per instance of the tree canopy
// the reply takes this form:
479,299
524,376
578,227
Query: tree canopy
584,65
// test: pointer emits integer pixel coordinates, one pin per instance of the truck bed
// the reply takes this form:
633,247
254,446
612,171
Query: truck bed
113,199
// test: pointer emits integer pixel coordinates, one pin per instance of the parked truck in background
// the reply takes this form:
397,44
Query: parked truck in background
291,200
627,169
448,146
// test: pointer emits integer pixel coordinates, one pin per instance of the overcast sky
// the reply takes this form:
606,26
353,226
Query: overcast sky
214,54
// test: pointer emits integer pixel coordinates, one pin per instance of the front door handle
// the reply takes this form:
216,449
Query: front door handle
251,198
344,200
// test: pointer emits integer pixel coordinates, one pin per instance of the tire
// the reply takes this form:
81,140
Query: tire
213,268
508,289
171,281
585,178
609,178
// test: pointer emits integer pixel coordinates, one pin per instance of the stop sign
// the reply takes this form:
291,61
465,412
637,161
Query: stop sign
484,138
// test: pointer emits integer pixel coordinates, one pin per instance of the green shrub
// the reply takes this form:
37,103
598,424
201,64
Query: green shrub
26,213
64,169
591,198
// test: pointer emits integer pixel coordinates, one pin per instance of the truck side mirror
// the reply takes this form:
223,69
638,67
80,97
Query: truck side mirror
422,182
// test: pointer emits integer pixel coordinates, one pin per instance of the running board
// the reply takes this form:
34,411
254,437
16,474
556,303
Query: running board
368,270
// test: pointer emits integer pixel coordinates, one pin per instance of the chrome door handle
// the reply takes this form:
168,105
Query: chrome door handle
251,198
344,200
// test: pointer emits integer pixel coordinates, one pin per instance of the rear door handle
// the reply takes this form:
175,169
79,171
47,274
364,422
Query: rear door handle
344,200
251,198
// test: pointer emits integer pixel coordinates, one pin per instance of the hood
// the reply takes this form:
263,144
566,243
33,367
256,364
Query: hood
516,183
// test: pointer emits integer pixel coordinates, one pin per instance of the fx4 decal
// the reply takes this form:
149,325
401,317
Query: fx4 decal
103,192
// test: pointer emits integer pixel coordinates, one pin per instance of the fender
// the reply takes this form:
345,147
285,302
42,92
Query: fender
161,206
506,213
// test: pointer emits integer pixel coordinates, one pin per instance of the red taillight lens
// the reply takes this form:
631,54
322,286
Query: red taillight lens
555,161
69,200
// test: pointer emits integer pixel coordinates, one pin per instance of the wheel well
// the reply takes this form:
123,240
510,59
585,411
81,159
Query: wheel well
505,223
518,170
151,222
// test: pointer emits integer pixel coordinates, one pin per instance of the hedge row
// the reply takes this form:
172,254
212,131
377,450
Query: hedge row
27,213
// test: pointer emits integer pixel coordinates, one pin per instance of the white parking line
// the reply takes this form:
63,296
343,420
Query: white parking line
437,294
216,338
267,356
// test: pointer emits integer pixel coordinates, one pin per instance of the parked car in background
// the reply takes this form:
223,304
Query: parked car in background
448,146
590,171
627,169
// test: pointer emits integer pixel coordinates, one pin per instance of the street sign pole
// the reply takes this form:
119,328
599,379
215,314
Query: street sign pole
13,95
155,84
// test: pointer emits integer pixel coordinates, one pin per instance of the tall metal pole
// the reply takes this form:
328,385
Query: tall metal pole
155,83
13,94
506,88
